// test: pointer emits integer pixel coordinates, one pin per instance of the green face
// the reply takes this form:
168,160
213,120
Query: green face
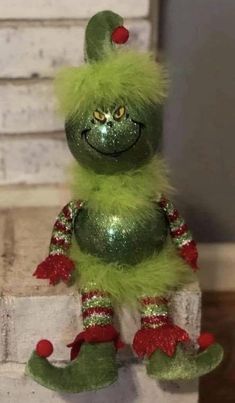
115,139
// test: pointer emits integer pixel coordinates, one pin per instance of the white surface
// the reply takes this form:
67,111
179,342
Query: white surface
133,386
217,262
41,50
36,196
58,318
3,327
28,107
44,9
33,159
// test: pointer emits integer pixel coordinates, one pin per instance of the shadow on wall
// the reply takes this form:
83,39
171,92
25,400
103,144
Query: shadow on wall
199,124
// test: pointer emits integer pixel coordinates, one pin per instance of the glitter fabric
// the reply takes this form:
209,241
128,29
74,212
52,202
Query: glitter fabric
97,313
96,309
55,268
114,145
154,312
114,237
189,254
165,338
58,266
180,233
157,330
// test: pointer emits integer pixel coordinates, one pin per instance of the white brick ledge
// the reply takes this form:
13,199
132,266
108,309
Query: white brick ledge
58,318
133,386
30,310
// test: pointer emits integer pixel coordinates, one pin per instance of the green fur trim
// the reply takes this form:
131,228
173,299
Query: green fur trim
123,193
157,275
121,77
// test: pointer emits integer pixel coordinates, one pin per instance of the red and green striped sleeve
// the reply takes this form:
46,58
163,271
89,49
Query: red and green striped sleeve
63,229
58,266
180,233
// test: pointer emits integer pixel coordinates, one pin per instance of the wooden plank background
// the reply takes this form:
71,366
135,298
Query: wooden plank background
37,39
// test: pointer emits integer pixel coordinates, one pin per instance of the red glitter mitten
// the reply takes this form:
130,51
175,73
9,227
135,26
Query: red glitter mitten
55,268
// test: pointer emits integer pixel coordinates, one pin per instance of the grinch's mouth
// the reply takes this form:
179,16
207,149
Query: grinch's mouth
118,152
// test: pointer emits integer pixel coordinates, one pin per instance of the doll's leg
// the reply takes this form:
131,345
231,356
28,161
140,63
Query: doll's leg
163,344
93,352
97,314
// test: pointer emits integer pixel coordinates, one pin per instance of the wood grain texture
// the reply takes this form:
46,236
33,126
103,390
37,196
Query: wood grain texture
39,51
28,107
45,9
33,159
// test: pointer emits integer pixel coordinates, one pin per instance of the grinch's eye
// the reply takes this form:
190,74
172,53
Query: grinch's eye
99,116
119,113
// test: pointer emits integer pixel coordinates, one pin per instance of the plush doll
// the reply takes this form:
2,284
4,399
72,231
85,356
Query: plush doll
120,238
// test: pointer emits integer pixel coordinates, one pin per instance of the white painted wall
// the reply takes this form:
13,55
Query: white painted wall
36,39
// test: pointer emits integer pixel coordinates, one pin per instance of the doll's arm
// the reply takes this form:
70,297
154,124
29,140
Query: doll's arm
58,266
180,233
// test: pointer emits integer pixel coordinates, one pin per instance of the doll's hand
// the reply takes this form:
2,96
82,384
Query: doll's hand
55,268
189,253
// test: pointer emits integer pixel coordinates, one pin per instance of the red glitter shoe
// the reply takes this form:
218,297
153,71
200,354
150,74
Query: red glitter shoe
165,338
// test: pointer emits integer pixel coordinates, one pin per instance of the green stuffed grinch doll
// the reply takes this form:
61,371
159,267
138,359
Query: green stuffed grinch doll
122,241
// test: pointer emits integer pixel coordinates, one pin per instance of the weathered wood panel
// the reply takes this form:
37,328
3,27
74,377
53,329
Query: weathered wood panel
38,51
33,160
46,9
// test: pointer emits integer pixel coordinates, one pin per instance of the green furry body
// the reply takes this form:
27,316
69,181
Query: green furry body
158,275
131,193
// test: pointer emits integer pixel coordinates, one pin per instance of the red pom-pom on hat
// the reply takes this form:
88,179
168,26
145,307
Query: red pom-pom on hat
44,348
120,35
205,340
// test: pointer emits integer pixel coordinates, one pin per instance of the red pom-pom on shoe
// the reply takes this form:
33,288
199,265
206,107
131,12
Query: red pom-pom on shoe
55,268
44,348
120,35
205,340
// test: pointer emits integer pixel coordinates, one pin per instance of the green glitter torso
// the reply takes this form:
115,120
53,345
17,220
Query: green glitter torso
120,238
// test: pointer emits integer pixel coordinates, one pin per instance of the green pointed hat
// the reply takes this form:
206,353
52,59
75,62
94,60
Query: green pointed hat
103,31
112,73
